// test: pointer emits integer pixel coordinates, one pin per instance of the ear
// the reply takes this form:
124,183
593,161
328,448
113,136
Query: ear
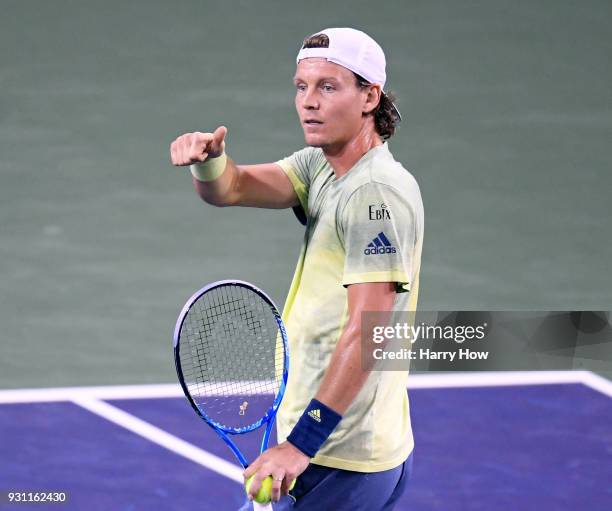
372,99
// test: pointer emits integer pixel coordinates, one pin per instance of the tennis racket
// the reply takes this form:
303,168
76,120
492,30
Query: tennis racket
232,360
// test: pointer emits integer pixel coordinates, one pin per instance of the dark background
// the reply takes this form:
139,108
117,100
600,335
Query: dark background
507,125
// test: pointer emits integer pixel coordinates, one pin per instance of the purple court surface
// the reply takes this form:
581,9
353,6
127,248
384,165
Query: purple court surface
484,441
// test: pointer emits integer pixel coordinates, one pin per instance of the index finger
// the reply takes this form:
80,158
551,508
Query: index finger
199,137
255,484
251,469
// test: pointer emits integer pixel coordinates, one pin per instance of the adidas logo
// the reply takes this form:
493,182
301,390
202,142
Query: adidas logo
315,414
380,245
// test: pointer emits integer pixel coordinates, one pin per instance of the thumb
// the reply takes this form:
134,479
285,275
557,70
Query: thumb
219,137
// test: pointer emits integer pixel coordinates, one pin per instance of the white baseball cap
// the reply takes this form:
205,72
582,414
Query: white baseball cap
354,50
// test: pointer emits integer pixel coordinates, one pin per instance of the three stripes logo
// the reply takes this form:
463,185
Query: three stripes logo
315,414
379,246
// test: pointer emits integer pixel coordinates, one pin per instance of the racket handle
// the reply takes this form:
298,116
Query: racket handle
262,507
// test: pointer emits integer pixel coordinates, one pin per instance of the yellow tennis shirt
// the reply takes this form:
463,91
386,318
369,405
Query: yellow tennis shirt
366,226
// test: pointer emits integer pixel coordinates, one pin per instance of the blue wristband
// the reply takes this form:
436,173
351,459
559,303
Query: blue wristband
315,425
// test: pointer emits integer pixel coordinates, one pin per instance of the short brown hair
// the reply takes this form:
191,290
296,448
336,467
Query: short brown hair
385,114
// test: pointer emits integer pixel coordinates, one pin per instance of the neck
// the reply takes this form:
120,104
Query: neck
342,157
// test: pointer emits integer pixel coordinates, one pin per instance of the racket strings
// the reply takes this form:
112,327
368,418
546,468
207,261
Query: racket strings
232,355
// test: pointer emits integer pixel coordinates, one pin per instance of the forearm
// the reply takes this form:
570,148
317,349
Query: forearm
341,383
346,373
344,376
259,186
219,191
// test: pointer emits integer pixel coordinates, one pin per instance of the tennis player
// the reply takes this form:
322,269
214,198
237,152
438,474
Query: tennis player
342,428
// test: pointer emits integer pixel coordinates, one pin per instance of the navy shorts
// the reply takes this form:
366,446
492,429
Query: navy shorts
332,489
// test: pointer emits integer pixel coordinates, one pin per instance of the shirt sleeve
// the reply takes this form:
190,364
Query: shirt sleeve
298,168
379,232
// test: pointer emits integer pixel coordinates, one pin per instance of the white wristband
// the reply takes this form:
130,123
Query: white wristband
210,170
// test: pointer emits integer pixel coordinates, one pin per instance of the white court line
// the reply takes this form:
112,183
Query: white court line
596,382
108,392
163,390
415,381
161,437
494,379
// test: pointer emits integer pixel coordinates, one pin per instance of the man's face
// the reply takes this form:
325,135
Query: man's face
328,102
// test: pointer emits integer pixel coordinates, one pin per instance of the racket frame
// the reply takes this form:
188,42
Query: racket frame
270,414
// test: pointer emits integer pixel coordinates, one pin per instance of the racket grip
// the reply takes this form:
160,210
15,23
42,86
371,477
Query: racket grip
262,507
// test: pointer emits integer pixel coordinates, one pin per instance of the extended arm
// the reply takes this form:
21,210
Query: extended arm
263,186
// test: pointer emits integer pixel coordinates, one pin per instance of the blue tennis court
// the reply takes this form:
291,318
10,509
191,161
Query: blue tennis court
537,440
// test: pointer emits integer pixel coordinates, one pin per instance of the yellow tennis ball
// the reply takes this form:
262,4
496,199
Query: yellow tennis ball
264,495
